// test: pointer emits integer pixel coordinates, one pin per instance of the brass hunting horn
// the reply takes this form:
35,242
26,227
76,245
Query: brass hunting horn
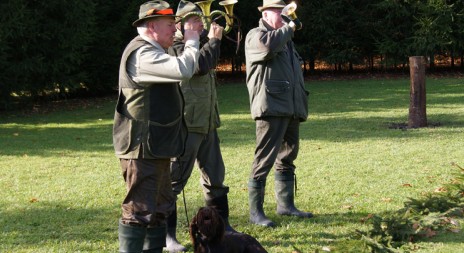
289,11
231,20
209,17
289,14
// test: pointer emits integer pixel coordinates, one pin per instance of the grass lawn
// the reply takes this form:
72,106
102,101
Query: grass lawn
62,188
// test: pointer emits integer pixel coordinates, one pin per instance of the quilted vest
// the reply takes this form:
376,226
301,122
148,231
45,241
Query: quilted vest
148,120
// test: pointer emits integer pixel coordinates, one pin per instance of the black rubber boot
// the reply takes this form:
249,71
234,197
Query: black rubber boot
256,201
155,240
172,245
221,204
285,194
131,238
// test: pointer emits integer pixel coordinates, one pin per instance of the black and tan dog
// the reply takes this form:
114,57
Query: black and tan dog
208,235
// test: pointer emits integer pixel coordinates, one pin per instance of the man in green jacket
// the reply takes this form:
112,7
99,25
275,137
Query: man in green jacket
202,118
148,124
279,103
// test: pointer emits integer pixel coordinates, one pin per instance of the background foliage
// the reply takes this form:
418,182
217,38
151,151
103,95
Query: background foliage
67,48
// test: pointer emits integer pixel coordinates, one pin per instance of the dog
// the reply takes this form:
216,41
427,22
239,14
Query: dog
208,235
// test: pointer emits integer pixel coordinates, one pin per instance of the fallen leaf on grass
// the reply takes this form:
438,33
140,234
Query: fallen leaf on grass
454,222
448,220
33,200
407,185
455,181
369,216
440,189
430,233
455,230
387,199
326,249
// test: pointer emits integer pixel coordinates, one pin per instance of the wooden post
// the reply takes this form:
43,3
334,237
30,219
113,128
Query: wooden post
417,106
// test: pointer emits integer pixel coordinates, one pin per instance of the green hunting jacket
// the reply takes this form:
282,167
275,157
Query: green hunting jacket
274,77
201,111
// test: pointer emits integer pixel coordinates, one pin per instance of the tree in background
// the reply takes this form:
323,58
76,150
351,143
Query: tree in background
56,49
433,28
61,48
456,48
392,31
319,35
43,44
113,32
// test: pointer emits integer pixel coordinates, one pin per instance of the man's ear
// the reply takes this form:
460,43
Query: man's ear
264,14
151,26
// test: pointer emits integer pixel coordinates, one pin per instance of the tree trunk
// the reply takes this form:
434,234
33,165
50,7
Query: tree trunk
462,60
417,105
432,62
371,62
312,64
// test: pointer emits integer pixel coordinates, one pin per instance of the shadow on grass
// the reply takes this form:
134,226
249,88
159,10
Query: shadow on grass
52,222
20,141
358,95
341,129
62,131
51,141
285,234
89,129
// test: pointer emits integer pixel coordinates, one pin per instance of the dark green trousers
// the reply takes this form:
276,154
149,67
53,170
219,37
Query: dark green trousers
277,145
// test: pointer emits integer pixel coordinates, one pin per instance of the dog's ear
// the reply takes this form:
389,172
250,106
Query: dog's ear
221,227
218,224
195,236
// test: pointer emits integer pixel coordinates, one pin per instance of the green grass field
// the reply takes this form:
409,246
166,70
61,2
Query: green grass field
61,186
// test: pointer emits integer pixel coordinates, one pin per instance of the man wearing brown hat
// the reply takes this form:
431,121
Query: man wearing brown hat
278,102
202,118
148,124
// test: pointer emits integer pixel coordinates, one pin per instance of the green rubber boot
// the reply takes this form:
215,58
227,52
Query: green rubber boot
155,240
221,204
285,195
172,244
256,201
131,238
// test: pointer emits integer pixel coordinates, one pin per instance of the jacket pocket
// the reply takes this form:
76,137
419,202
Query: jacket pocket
277,86
278,98
127,133
197,115
166,140
302,103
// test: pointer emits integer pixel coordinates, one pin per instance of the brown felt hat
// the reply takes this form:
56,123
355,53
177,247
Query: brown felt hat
186,7
272,4
153,9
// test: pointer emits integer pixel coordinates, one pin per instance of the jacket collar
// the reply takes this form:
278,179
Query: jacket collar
153,42
265,25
